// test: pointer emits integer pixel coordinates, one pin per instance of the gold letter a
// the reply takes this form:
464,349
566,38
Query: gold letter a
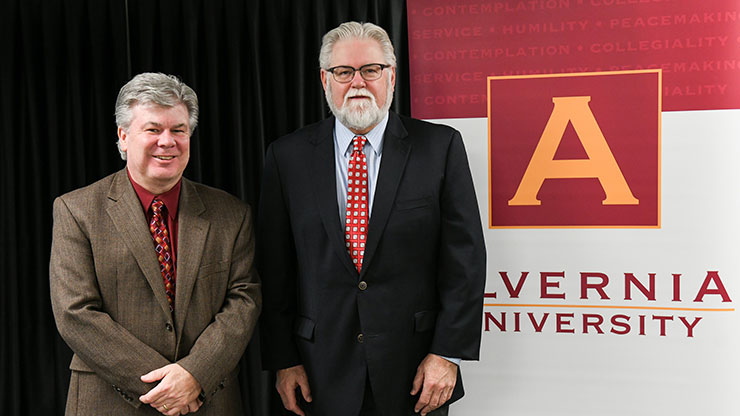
600,163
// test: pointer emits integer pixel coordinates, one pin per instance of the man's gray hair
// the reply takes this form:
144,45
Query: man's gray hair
355,30
154,88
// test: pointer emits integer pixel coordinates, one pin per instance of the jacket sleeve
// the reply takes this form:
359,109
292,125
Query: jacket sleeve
219,347
276,262
106,347
461,262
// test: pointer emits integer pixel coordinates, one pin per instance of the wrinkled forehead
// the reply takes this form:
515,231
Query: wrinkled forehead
156,113
357,52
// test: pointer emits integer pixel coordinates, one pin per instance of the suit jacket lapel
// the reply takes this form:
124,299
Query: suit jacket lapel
326,190
395,154
130,222
191,239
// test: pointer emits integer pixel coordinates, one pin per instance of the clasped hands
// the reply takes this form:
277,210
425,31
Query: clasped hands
435,378
177,391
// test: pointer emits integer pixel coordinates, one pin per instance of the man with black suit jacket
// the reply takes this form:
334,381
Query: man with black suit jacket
152,279
370,248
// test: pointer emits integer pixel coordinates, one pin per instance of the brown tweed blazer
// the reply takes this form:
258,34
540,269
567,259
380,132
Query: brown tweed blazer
109,302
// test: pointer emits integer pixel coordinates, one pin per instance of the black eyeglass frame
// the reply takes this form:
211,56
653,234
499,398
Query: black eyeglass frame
354,70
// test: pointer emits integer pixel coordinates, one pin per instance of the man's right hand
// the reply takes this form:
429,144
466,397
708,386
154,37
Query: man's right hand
287,381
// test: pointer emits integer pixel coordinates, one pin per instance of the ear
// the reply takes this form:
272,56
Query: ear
324,78
123,136
393,77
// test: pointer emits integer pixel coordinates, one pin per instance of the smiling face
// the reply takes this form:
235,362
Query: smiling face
157,145
359,104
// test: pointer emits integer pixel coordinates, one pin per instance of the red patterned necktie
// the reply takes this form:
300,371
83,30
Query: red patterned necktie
357,203
162,246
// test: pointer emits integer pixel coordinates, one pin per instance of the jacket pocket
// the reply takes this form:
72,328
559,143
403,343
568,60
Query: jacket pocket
415,203
425,320
212,268
304,328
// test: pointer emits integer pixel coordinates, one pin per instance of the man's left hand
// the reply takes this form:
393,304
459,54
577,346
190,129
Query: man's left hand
176,393
437,376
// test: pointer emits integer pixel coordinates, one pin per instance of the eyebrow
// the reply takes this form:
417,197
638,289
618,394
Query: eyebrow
155,124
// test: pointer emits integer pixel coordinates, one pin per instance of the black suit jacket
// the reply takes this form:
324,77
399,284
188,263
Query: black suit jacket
423,269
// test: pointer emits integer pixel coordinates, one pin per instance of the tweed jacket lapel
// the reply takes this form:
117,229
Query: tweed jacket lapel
128,217
191,239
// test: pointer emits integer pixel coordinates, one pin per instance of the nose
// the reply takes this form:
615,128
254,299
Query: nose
166,139
358,81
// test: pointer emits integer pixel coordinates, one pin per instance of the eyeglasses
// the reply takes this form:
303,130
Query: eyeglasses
369,72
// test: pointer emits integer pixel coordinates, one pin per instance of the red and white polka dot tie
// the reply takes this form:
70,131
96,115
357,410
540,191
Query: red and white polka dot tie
357,203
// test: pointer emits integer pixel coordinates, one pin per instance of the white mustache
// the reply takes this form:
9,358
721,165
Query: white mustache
353,92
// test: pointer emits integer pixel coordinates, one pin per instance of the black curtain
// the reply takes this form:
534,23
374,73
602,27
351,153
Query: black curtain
254,65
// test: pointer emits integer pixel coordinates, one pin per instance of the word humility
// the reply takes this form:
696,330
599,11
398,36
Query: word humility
596,286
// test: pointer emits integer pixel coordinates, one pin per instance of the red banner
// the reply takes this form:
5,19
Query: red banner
455,45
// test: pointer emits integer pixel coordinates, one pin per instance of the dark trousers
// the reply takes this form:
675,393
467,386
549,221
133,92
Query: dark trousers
368,405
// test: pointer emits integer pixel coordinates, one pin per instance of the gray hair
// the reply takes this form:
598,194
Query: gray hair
355,30
154,88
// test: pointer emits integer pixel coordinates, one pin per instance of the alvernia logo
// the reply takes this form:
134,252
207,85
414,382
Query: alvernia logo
631,303
575,150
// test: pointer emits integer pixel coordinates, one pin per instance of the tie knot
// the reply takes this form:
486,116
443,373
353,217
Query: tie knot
157,205
359,143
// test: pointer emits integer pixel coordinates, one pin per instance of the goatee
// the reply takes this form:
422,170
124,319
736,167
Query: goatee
360,115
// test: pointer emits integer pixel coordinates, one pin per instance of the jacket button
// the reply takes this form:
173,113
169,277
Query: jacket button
360,338
168,327
362,285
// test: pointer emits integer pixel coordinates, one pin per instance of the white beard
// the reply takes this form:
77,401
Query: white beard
360,115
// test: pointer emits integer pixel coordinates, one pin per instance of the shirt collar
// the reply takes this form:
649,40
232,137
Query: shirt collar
344,136
170,198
